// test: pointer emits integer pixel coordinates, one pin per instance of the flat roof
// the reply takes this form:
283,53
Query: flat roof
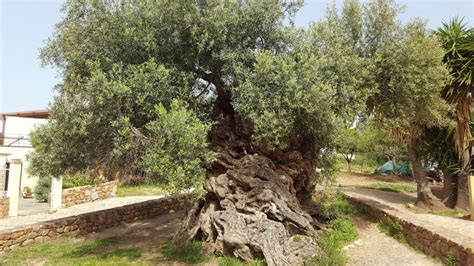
30,114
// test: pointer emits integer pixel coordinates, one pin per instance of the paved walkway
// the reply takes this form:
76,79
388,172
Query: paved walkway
31,206
457,230
376,248
443,237
18,221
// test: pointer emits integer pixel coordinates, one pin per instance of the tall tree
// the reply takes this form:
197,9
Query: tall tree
410,77
458,42
348,142
143,80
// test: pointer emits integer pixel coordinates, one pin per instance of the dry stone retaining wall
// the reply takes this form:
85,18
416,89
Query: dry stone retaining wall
89,222
429,242
4,206
78,195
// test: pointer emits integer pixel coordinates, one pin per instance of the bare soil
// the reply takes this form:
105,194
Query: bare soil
360,179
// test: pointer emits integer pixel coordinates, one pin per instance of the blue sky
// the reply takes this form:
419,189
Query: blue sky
25,24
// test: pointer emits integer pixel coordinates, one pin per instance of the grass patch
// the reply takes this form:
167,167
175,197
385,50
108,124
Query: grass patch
190,254
231,261
448,213
392,228
397,188
342,231
66,251
335,204
140,190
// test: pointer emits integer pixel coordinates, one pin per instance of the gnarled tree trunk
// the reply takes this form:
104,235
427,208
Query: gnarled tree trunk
258,202
425,197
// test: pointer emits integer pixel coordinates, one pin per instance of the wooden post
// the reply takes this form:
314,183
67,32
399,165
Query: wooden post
470,182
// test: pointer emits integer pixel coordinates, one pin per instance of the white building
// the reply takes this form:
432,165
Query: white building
15,143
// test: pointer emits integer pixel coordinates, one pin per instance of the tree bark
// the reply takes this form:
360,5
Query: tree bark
449,188
463,143
258,202
425,197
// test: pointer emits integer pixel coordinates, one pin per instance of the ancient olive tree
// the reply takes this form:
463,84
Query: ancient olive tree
223,95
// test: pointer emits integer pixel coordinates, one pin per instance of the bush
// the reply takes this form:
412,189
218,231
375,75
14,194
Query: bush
79,180
42,190
342,232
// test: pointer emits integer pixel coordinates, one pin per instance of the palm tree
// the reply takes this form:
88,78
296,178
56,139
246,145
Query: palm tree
458,41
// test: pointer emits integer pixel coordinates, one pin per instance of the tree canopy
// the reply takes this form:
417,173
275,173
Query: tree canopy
122,59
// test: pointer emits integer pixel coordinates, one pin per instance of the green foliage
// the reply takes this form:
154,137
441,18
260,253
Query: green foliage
391,187
392,228
177,148
328,162
410,77
190,254
68,252
451,261
457,39
348,143
342,231
42,189
79,179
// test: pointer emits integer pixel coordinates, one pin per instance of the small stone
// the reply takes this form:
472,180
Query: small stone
27,242
410,205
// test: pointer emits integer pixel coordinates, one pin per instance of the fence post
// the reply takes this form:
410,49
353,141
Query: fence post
470,182
56,194
14,185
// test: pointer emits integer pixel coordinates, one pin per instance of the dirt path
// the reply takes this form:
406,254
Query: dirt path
373,247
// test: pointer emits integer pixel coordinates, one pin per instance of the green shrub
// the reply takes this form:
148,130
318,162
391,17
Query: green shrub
42,190
79,180
331,243
392,228
335,204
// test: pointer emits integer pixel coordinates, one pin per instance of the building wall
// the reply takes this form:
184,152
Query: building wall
20,127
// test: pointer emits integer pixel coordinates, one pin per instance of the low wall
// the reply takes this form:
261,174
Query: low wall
78,195
4,206
429,242
89,222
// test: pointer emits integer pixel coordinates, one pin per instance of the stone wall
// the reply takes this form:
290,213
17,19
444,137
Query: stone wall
4,206
429,242
78,195
89,222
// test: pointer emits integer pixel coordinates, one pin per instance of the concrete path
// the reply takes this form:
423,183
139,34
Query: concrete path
18,221
440,236
457,230
31,206
373,247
